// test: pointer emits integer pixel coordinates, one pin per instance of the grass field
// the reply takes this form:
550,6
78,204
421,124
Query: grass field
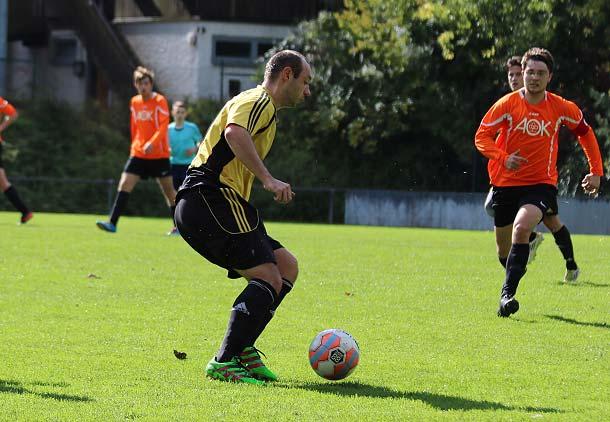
89,322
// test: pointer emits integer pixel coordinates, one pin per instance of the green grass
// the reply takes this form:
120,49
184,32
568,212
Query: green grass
89,322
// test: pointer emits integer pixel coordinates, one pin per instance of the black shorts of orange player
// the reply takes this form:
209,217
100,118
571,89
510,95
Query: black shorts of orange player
158,167
506,201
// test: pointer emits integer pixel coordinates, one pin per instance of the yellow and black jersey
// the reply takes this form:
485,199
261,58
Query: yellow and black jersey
215,164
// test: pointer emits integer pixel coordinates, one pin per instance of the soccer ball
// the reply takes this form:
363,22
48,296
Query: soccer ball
334,354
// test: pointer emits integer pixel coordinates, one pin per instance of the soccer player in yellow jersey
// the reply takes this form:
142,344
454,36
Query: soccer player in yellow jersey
215,218
149,155
8,115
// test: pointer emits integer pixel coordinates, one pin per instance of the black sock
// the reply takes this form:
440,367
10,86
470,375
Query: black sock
172,213
13,197
564,242
120,203
286,288
503,261
532,236
249,309
515,267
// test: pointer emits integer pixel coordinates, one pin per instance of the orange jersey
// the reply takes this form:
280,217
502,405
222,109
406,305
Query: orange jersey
6,109
149,121
533,130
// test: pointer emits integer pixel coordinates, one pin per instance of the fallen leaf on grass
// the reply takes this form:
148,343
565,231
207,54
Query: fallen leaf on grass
91,275
179,355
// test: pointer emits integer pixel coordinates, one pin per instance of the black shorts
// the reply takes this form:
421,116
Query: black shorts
224,228
1,163
158,167
506,201
178,174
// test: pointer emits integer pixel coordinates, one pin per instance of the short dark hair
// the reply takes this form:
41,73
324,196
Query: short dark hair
540,55
513,61
282,59
179,104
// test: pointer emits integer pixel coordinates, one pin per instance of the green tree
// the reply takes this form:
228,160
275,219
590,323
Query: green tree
401,86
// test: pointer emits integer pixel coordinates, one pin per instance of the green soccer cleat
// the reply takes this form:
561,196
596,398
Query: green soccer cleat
232,371
251,360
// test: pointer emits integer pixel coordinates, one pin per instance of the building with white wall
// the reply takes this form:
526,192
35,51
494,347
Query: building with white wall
75,50
201,59
58,70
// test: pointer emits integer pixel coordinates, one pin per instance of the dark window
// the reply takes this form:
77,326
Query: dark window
234,87
262,48
241,52
64,51
233,49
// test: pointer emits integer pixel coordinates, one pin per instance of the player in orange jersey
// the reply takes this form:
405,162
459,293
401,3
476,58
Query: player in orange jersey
149,156
514,76
560,232
8,115
524,171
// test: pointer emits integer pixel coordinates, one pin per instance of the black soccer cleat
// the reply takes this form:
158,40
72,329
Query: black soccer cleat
508,305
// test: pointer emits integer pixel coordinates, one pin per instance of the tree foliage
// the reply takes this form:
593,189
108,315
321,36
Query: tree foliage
401,85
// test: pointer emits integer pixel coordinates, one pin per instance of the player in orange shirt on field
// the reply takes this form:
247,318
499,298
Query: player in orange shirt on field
8,115
149,156
560,232
524,171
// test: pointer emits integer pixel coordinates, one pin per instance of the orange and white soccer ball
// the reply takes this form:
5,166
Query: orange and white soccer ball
334,354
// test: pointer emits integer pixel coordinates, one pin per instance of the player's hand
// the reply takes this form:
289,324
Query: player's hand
590,184
191,151
148,147
282,192
514,161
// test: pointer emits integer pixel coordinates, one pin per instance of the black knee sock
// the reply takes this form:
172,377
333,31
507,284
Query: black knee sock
564,242
120,203
532,236
249,309
286,288
503,261
13,197
515,267
172,213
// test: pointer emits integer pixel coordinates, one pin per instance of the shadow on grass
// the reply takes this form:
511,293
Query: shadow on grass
15,387
582,284
575,322
438,401
589,283
527,321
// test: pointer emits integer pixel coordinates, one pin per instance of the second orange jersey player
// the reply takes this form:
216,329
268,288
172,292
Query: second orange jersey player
523,169
149,153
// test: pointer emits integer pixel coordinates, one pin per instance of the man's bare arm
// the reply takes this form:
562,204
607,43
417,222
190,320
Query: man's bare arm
241,144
